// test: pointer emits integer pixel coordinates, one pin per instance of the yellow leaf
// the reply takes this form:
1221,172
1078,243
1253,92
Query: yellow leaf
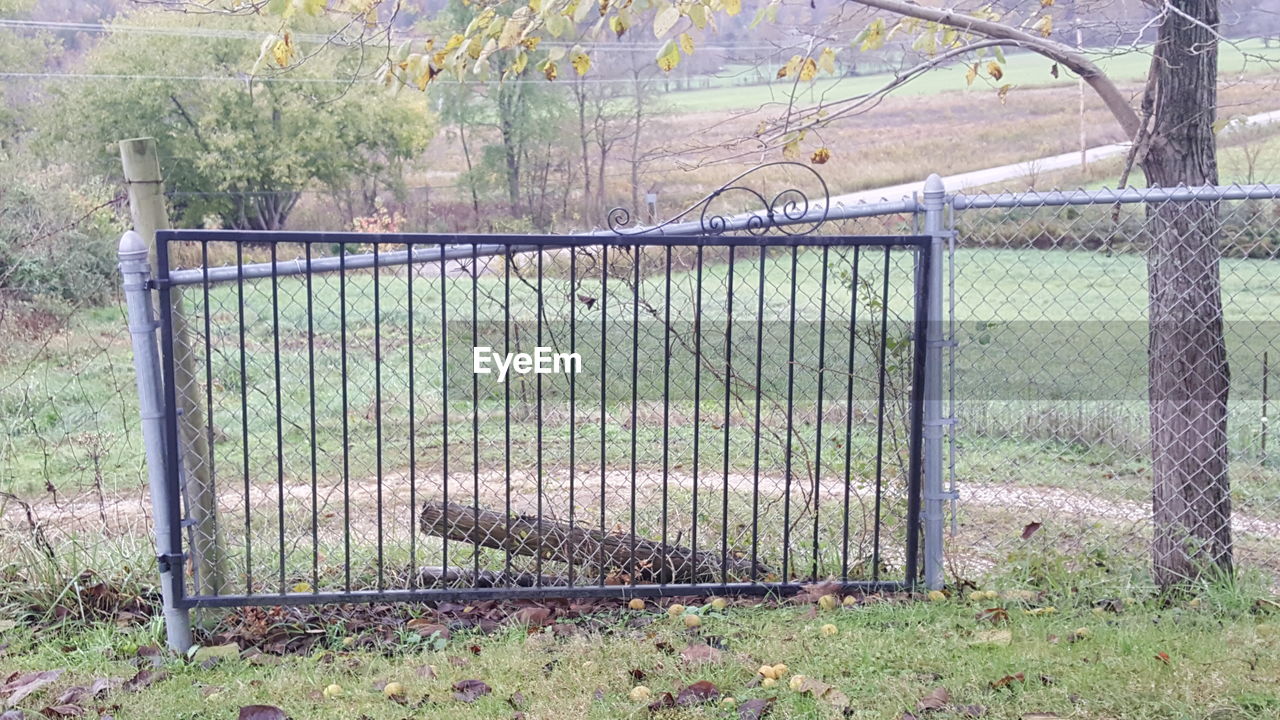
972,75
1044,26
283,50
686,43
580,62
792,66
1004,93
550,70
995,71
511,30
302,587
820,156
698,14
531,42
617,25
732,7
827,61
669,56
518,65
604,7
666,19
1046,3
873,37
535,5
808,70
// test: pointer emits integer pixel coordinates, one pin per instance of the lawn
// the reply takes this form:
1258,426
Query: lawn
1024,70
1025,652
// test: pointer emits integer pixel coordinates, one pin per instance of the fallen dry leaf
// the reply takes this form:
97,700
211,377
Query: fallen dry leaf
468,690
262,712
63,711
1030,529
1163,657
821,691
937,699
144,679
698,693
995,615
19,686
699,653
1008,680
755,709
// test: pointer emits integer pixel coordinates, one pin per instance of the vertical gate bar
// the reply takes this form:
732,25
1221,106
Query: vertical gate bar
311,394
934,495
755,460
927,260
444,406
475,404
728,394
604,374
377,405
791,376
410,271
244,422
697,394
951,364
822,360
208,400
275,342
346,423
880,410
635,383
135,275
538,394
666,405
506,396
573,392
848,415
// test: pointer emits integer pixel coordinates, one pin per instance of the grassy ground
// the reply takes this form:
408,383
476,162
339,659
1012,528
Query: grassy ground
1024,70
1216,655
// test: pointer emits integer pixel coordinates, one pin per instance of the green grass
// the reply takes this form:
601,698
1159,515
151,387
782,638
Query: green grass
1222,659
1023,70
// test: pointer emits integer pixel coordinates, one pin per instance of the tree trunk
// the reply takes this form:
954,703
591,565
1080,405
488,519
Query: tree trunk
1188,378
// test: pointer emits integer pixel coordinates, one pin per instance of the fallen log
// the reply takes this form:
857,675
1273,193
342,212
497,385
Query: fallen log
436,576
618,557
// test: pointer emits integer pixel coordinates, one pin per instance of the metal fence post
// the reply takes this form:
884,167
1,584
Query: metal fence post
136,274
934,494
140,160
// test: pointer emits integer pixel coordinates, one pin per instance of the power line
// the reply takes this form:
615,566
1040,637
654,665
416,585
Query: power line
246,78
228,34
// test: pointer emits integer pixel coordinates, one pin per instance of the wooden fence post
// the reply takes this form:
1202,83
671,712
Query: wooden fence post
141,165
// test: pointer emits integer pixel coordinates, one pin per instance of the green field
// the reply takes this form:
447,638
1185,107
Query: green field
1023,70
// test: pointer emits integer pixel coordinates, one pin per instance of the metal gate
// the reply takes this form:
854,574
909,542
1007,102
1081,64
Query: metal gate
373,417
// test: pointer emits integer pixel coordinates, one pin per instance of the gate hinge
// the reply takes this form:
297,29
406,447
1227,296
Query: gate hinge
944,495
171,563
941,422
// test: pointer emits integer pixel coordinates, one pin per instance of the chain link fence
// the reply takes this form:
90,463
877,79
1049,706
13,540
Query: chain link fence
1047,305
1049,311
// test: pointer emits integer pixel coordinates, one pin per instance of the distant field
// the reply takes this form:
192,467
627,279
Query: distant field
1023,70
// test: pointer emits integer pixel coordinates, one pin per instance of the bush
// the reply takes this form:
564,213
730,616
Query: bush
57,236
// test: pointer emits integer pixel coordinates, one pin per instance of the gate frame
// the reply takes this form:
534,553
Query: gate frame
157,395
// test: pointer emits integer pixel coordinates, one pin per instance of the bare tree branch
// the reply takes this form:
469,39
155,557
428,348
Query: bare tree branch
1066,55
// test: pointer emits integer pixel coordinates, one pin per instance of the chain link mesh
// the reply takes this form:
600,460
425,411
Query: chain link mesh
1052,313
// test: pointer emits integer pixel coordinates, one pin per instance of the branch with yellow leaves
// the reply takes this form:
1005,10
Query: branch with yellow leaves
1063,54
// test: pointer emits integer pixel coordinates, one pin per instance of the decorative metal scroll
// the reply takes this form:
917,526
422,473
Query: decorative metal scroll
787,211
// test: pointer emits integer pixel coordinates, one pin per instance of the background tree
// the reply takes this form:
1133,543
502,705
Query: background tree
241,151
